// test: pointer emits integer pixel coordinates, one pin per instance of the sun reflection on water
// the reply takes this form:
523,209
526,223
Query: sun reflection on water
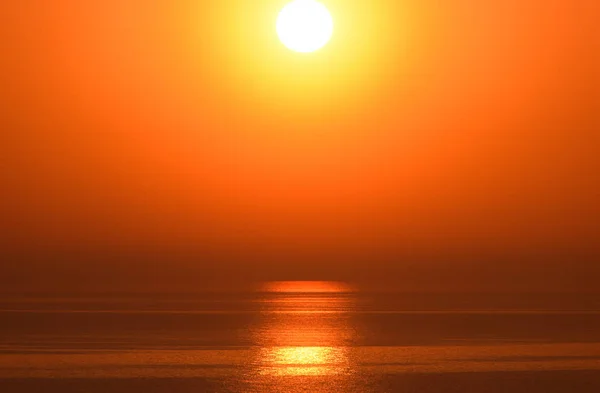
304,361
306,287
303,337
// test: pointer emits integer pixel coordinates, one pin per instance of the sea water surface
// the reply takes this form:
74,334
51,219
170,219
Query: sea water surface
300,337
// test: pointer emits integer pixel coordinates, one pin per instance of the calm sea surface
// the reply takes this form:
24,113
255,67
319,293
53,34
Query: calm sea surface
316,337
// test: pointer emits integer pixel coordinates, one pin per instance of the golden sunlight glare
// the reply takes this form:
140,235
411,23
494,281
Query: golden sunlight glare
304,25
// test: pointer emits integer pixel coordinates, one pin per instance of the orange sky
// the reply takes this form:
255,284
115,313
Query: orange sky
452,136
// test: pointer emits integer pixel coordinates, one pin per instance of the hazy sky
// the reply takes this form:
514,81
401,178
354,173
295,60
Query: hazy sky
161,144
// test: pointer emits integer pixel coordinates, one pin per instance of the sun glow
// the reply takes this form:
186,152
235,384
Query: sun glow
304,25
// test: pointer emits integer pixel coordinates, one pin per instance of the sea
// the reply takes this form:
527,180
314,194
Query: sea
293,337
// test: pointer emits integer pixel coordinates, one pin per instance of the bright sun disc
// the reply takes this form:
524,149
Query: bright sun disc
304,25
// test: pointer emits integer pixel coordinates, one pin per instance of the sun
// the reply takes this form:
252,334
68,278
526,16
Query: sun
304,25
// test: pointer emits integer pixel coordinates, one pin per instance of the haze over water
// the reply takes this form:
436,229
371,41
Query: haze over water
301,337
